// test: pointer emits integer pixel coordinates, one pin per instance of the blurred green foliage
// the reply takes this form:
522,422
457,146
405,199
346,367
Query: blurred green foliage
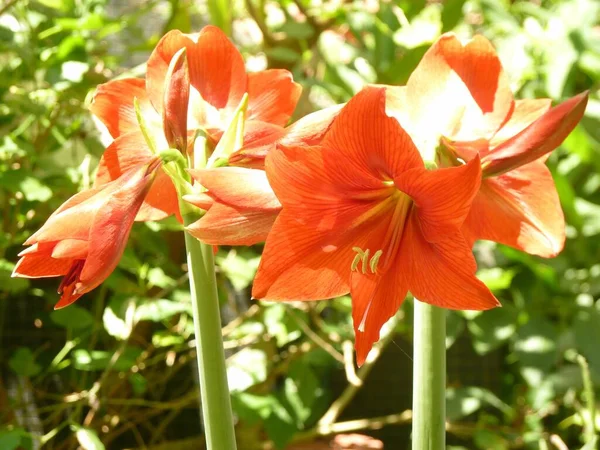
116,369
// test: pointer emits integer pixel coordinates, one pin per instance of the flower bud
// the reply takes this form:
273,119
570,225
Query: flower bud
175,101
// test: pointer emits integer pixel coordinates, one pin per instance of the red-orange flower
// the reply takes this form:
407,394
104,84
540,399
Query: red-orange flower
84,239
459,96
218,81
241,206
361,214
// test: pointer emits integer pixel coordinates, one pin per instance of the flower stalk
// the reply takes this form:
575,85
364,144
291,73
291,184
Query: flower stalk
429,378
214,390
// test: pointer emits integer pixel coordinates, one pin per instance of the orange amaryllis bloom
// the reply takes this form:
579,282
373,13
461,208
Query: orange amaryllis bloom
241,206
361,214
84,239
206,72
458,101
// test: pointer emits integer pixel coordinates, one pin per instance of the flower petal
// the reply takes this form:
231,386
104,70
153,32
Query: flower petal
110,230
442,197
442,274
130,151
228,225
272,96
526,112
458,90
375,299
259,139
113,105
238,187
41,266
311,129
366,143
521,209
538,139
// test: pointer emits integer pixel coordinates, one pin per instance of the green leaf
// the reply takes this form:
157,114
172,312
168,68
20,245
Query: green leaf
452,14
280,426
239,266
246,368
33,190
75,317
536,349
9,284
22,362
221,14
462,402
490,329
301,388
455,325
139,384
587,336
99,360
87,438
15,439
496,278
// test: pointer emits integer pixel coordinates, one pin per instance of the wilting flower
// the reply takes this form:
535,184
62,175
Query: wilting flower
458,102
217,79
361,214
241,205
84,239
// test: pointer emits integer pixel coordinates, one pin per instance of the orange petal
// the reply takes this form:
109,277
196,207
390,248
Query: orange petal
71,249
238,187
303,260
311,129
526,112
259,139
272,96
217,69
520,208
41,266
442,274
458,90
113,105
175,102
227,225
365,142
110,230
375,299
201,200
310,250
442,197
130,151
158,63
538,139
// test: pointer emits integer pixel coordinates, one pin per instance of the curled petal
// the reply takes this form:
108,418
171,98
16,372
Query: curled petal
113,105
375,299
41,266
442,197
128,152
442,274
520,208
272,96
525,113
238,187
227,225
538,139
112,224
175,102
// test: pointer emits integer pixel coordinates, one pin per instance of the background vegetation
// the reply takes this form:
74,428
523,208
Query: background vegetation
116,370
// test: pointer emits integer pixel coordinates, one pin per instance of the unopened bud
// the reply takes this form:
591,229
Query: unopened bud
175,101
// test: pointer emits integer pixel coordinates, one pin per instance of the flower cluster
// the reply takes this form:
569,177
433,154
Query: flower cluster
379,197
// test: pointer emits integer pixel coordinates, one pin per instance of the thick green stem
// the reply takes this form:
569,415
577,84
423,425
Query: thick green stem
214,391
429,382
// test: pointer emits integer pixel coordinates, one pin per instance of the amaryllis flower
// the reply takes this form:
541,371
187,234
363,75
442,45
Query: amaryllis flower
193,82
458,102
361,214
84,239
241,205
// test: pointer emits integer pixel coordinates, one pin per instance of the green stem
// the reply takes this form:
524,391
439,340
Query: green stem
429,378
214,391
